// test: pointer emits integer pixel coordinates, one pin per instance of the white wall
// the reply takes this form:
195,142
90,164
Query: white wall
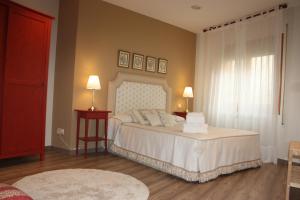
290,130
49,7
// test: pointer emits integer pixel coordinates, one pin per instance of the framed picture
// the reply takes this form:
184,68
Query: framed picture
138,61
162,65
150,64
123,59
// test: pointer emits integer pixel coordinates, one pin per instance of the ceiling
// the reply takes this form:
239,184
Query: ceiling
212,12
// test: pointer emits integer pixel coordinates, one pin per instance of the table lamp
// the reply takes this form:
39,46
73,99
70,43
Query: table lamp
93,84
188,93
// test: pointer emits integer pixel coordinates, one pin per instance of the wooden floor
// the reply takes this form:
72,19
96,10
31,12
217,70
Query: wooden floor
265,183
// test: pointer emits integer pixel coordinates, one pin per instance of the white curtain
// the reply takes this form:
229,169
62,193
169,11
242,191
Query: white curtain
236,79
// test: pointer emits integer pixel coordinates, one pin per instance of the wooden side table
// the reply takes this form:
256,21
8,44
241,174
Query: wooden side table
181,114
293,175
91,115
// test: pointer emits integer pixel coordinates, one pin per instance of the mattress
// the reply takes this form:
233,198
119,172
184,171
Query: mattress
193,157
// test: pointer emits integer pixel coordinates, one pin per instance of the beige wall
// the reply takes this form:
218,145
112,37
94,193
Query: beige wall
64,70
102,30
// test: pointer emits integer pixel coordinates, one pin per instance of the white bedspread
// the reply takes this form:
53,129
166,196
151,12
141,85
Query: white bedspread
192,152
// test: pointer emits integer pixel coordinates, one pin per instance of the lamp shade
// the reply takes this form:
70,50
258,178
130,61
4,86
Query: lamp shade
188,92
93,83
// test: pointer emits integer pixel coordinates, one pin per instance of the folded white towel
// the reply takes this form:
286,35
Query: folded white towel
194,125
195,119
188,128
195,114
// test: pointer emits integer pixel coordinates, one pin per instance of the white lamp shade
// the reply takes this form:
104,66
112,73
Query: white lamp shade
93,83
188,92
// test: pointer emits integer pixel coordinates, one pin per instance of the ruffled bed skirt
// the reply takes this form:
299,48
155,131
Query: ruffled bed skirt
180,172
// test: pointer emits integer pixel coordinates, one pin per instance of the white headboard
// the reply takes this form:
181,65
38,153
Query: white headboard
133,91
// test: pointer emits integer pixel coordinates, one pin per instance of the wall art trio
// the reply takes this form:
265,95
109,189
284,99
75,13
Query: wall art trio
151,64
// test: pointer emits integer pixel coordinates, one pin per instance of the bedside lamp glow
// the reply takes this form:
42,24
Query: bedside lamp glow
188,93
93,84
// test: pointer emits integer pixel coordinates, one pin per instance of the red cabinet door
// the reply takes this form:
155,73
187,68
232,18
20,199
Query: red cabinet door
3,29
25,82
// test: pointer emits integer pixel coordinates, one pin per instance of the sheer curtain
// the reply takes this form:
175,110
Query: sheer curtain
236,79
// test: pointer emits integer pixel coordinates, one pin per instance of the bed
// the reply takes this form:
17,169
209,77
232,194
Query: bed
192,157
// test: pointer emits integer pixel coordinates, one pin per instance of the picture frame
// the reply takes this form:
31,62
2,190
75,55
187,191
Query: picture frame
123,59
137,61
162,65
150,64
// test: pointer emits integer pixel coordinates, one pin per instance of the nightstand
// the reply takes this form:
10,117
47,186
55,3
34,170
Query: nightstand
87,116
181,114
293,175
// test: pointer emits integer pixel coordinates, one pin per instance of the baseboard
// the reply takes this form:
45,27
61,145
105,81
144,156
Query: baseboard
282,162
73,151
285,162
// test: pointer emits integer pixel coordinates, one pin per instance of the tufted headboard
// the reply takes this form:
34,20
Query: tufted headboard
133,91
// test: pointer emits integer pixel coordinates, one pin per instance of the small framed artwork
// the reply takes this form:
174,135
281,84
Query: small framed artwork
138,61
162,65
150,64
123,59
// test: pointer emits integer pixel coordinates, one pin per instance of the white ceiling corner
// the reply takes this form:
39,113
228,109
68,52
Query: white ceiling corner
213,12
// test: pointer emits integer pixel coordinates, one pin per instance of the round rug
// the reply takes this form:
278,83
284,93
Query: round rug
83,184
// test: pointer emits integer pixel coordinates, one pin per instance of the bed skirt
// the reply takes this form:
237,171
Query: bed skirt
180,172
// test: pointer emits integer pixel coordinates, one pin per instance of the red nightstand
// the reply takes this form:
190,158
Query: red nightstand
181,114
93,115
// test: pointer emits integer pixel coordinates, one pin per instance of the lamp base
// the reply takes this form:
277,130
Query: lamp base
187,105
92,108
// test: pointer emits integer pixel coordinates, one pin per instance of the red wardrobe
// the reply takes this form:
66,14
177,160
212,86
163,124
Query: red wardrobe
24,52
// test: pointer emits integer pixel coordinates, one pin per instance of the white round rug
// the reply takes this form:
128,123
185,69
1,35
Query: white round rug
83,184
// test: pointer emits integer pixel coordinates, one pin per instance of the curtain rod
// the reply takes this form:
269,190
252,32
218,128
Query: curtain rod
279,7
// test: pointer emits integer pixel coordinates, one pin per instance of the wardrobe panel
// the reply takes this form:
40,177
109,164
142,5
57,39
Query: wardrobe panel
25,82
3,29
23,120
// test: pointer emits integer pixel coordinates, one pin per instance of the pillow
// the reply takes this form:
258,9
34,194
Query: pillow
8,192
160,111
124,117
147,111
178,118
153,118
167,119
138,118
144,112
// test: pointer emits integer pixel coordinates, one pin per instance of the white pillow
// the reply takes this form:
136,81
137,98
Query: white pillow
124,117
147,111
138,118
178,118
167,119
153,118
